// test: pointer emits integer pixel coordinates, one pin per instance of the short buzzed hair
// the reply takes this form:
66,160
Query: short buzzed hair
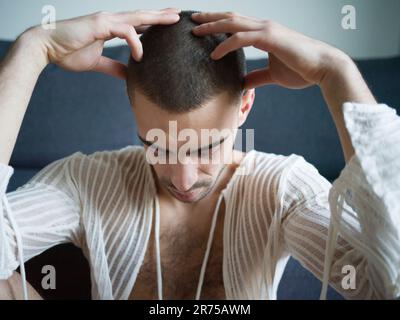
177,72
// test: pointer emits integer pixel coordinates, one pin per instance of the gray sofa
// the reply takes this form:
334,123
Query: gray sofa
87,112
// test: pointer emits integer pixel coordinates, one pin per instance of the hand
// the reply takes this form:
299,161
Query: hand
77,44
295,60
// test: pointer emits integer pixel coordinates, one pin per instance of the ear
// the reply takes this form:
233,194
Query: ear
246,105
130,99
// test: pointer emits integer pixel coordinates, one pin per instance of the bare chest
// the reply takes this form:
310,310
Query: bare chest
182,256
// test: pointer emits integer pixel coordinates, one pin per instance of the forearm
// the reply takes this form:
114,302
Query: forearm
11,289
344,83
19,72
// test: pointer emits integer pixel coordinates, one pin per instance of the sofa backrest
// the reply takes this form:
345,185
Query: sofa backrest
90,111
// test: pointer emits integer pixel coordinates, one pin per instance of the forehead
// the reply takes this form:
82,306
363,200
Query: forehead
218,113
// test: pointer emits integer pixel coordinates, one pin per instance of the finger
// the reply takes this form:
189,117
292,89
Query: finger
155,12
147,17
128,32
111,67
203,17
227,26
172,9
141,29
258,78
234,42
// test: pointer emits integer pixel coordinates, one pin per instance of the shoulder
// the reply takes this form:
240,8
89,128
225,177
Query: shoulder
273,182
127,158
276,174
109,166
263,165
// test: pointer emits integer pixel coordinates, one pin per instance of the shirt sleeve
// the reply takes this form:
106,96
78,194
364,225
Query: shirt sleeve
351,226
40,214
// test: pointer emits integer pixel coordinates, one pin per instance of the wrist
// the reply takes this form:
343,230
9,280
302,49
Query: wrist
343,82
30,43
338,67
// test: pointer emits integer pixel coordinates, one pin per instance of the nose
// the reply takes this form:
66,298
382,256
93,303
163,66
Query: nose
184,176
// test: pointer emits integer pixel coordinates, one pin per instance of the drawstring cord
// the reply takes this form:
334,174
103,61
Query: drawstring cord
159,275
336,211
209,243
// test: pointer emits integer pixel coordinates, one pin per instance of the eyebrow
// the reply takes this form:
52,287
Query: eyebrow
210,146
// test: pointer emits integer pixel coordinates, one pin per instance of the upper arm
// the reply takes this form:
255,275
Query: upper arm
305,225
43,213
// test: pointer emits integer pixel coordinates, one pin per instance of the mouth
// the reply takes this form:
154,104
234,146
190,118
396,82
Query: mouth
185,196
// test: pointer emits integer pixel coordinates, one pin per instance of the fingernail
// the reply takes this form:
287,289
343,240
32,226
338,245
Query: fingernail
137,59
173,16
172,9
139,56
213,55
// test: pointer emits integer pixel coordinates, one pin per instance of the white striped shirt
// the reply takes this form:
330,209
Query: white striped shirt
104,203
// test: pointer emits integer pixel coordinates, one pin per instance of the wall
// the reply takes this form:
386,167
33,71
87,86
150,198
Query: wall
377,33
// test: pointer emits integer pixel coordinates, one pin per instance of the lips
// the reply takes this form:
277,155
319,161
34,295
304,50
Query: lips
184,195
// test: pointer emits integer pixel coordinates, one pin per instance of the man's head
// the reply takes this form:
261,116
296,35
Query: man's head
178,81
176,71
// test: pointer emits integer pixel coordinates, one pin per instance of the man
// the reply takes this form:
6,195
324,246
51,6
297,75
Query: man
192,77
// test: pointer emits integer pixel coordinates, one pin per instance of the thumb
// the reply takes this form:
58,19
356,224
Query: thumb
111,67
258,78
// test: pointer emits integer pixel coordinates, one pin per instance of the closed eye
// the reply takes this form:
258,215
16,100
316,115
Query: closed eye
207,152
